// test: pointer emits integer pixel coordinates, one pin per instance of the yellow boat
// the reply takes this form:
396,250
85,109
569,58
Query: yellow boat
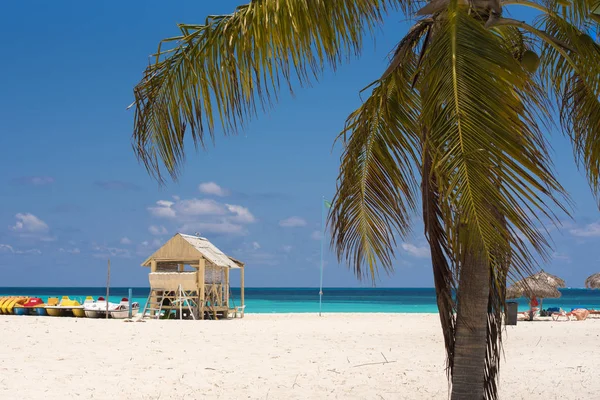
65,307
2,301
79,312
52,307
7,303
77,308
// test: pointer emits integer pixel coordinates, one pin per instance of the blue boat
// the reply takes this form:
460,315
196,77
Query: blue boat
20,310
35,306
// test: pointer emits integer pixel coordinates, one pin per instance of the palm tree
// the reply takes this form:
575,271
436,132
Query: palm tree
463,108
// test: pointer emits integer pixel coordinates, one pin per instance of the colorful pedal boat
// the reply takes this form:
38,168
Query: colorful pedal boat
122,310
52,308
95,309
65,307
31,307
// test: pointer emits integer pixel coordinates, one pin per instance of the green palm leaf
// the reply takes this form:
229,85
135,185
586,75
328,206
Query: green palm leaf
233,65
576,83
376,186
482,109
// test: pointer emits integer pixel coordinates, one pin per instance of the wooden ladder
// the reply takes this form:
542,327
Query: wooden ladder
153,309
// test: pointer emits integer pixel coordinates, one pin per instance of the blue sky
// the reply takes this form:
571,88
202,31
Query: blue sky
74,195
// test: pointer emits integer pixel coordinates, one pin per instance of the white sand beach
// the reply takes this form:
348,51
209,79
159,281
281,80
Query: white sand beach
280,356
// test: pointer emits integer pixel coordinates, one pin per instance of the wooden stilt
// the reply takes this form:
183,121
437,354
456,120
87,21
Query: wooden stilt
226,287
153,299
242,289
201,295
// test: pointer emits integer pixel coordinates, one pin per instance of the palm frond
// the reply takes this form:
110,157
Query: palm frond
233,65
376,186
445,267
581,117
486,132
576,83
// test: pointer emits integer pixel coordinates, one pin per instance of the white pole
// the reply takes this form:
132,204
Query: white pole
107,287
322,239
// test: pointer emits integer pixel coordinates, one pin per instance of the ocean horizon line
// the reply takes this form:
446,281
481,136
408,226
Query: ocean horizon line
255,287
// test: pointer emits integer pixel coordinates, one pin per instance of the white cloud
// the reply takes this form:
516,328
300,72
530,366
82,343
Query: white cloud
163,210
590,230
35,180
5,248
416,251
213,227
157,230
106,252
287,248
29,223
292,222
204,216
156,243
194,207
242,214
29,251
125,240
145,243
176,198
212,189
316,235
255,245
70,251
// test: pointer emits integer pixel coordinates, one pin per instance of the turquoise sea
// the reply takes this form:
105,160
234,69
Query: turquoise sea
306,300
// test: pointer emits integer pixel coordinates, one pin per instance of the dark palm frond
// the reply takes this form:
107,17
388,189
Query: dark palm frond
233,65
581,116
377,186
556,66
576,82
445,268
488,153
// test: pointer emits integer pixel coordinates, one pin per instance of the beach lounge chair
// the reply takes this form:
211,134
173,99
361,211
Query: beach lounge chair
561,313
580,314
594,313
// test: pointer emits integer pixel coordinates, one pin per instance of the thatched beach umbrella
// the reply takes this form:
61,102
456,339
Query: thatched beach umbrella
593,282
543,291
541,285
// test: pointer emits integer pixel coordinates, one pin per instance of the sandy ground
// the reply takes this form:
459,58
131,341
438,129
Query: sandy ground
285,356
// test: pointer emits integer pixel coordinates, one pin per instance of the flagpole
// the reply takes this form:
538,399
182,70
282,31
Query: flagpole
322,239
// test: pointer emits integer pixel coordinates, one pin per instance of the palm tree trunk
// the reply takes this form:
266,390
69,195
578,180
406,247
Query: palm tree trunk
471,329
